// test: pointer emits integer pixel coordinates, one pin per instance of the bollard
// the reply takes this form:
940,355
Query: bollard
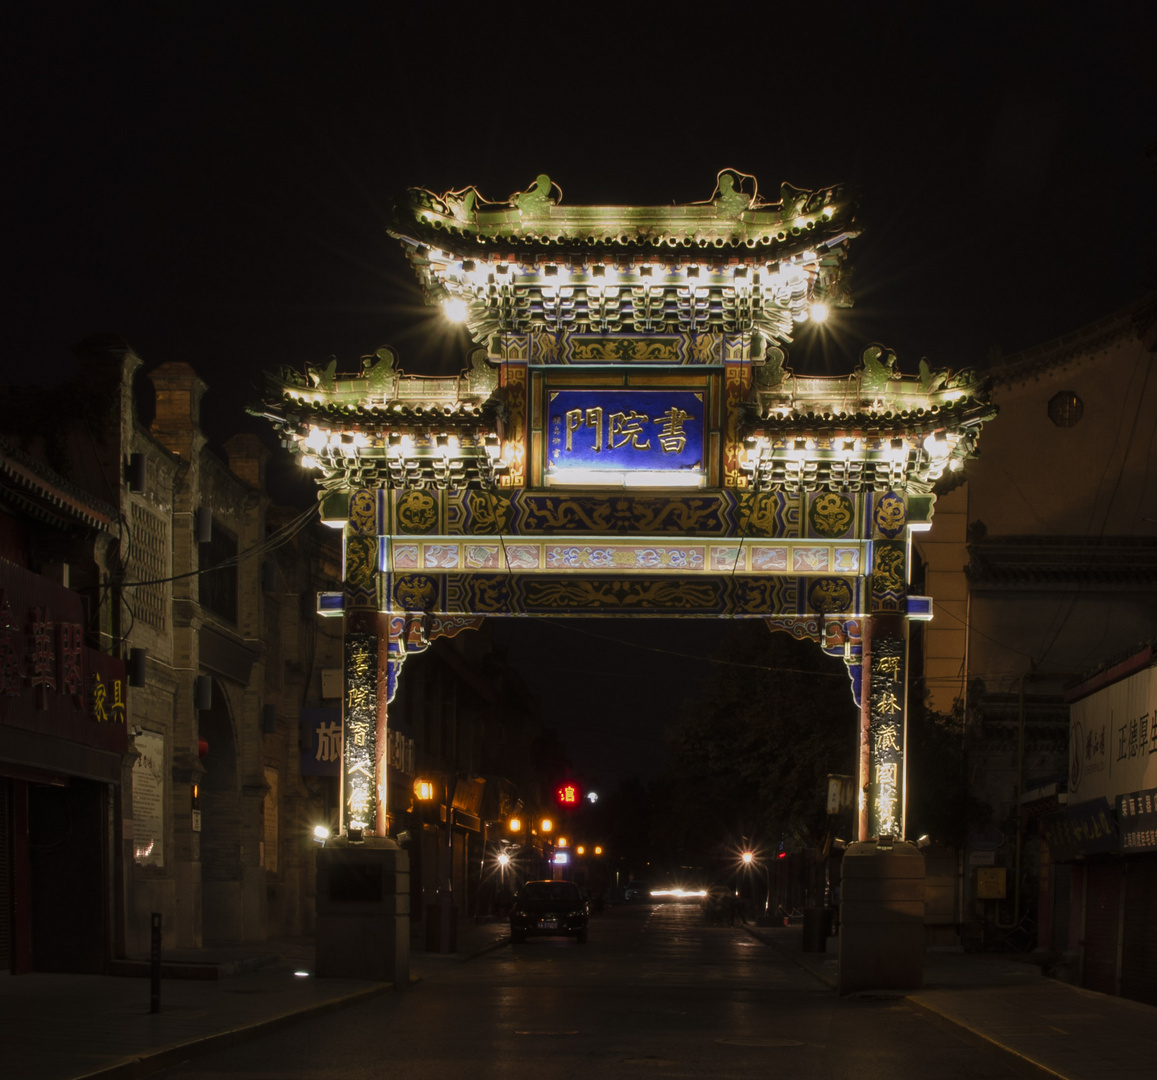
155,965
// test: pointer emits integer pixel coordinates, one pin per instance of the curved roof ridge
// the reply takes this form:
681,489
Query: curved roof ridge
1133,319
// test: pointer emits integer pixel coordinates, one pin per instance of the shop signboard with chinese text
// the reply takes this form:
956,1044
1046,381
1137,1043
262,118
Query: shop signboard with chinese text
1087,828
1137,815
1113,739
51,683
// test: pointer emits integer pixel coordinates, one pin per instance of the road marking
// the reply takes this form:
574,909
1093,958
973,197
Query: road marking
752,1040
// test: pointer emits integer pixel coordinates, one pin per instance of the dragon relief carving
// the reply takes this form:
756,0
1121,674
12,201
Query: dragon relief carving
878,369
621,594
381,368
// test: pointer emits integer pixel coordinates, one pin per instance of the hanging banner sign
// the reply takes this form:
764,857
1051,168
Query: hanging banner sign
618,432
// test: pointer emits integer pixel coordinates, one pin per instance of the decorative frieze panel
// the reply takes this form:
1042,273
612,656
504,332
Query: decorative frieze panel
704,515
494,553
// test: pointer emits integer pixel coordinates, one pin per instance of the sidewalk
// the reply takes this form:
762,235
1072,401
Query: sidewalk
1006,1003
64,1027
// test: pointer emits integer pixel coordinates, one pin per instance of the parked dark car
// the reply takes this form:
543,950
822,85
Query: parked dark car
635,891
553,908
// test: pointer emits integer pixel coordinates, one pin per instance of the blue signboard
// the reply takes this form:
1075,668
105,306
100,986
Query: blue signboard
321,742
625,431
1087,828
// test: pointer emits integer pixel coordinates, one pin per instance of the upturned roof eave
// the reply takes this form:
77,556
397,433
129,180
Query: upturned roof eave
50,497
639,248
732,223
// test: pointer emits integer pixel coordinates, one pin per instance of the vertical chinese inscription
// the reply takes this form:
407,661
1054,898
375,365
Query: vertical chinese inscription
514,382
360,719
737,380
886,693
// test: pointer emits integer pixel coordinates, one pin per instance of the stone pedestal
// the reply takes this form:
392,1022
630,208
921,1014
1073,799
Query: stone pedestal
363,911
881,917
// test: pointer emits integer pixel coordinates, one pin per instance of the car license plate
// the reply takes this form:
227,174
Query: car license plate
548,924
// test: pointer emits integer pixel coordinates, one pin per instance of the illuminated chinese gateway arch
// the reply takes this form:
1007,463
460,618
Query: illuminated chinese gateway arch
627,438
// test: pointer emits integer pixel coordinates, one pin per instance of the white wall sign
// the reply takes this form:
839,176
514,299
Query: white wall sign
1113,740
149,799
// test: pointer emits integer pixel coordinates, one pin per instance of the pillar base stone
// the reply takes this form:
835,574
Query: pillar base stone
881,917
363,911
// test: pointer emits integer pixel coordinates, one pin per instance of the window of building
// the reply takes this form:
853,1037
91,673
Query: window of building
151,554
1066,409
217,561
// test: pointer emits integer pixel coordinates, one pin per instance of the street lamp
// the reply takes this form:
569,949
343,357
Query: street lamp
749,859
443,936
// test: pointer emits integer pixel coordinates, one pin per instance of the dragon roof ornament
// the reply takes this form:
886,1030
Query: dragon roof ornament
733,263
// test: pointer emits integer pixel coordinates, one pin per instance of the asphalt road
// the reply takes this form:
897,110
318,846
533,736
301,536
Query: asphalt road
654,993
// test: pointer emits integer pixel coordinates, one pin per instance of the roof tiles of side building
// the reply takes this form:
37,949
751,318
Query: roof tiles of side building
44,494
1136,320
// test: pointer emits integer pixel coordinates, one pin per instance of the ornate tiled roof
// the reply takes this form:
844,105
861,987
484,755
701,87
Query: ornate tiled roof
381,427
873,429
733,263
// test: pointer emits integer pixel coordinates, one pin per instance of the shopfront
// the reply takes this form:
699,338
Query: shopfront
63,740
1103,844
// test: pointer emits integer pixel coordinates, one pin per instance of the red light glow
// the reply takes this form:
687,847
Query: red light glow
568,794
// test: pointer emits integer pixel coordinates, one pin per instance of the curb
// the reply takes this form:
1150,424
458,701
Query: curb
143,1064
819,976
979,1038
466,957
497,943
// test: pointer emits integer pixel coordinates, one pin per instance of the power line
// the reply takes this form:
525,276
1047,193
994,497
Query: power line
262,547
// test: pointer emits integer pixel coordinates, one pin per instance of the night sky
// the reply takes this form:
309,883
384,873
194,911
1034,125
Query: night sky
209,180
